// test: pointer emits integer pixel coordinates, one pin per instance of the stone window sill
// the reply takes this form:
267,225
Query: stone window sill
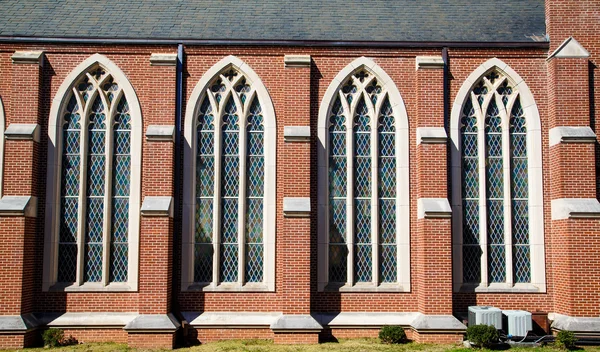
229,287
365,287
501,288
92,287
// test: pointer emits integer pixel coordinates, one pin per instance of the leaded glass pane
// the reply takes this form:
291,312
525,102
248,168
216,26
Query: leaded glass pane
497,263
229,262
470,194
69,203
338,252
519,194
120,196
388,263
95,193
203,215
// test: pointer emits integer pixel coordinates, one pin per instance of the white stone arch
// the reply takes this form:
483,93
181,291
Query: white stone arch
402,176
270,144
535,182
53,176
2,128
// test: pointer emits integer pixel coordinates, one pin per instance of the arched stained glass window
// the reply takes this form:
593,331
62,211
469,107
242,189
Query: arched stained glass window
362,184
229,221
94,196
495,216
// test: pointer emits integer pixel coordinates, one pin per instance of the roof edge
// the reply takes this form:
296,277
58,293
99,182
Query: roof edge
296,43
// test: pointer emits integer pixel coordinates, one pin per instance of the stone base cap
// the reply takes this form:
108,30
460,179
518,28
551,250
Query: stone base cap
368,320
18,206
153,323
575,324
296,323
85,319
17,323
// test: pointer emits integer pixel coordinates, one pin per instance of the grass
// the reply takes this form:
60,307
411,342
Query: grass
350,345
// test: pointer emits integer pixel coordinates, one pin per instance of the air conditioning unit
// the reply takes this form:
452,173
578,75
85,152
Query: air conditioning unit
485,315
516,322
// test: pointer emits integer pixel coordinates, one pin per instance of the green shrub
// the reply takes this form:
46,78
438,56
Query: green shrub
392,334
482,335
566,339
52,337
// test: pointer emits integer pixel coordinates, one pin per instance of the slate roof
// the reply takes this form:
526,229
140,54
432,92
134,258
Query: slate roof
278,20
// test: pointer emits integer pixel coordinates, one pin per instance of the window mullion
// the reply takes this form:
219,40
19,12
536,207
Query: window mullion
483,240
242,200
217,152
81,201
506,165
106,223
374,200
350,198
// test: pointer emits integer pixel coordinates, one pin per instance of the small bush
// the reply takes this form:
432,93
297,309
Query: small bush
53,337
56,338
566,339
392,334
482,335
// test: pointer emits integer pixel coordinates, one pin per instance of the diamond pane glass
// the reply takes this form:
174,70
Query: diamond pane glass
472,263
337,221
496,263
387,221
204,223
95,193
203,262
388,263
254,262
363,270
338,262
229,263
470,221
522,263
69,203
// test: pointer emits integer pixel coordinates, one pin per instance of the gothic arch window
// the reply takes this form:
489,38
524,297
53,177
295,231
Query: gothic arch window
93,181
229,221
497,183
363,183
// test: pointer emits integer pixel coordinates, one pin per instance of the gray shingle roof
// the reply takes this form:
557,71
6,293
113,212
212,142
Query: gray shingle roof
327,20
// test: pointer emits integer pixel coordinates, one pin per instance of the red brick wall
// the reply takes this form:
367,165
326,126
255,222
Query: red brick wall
97,335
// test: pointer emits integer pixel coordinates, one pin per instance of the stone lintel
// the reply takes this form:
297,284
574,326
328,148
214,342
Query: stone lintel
157,206
154,323
163,59
575,208
18,206
28,57
296,207
433,208
160,133
571,134
296,61
431,135
25,131
429,62
296,133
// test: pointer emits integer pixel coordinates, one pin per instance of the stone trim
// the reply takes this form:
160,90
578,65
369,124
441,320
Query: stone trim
296,323
85,319
570,49
28,57
17,323
296,61
23,131
571,134
155,323
157,206
433,208
575,208
18,206
431,135
231,319
296,207
575,324
429,62
414,320
160,59
296,134
160,133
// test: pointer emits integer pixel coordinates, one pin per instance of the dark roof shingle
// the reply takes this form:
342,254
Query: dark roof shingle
309,20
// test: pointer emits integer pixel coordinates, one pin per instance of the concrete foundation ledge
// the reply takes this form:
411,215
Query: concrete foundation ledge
97,320
586,325
17,324
413,320
296,323
153,323
231,319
